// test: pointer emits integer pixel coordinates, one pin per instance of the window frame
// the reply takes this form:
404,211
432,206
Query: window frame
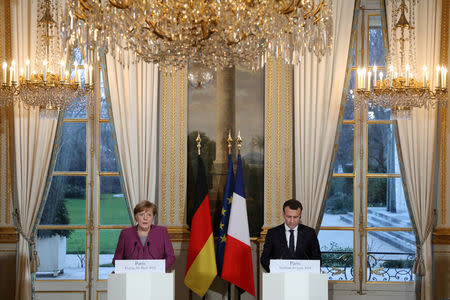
361,175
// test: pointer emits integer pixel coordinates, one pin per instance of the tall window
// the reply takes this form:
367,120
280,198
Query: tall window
85,208
366,234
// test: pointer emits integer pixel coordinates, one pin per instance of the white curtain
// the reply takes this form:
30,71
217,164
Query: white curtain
33,142
318,88
134,102
418,139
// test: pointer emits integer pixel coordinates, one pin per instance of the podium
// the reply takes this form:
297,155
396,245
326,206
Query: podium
295,286
143,286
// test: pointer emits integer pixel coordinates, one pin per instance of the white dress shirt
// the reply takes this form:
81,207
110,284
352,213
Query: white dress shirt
288,234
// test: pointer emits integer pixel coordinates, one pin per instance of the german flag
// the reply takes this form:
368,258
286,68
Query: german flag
201,266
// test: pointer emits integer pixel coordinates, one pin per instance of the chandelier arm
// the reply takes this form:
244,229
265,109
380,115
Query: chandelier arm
287,9
80,14
155,30
85,5
314,12
205,31
123,5
244,36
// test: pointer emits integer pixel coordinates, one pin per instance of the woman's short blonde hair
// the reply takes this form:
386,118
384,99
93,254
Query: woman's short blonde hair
144,205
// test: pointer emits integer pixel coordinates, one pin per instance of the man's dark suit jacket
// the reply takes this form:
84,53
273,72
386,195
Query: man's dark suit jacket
276,246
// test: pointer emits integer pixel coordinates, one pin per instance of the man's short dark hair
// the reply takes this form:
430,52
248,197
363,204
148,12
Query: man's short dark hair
293,204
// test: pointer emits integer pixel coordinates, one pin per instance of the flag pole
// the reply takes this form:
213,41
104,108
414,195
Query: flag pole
239,145
230,143
199,143
200,268
239,142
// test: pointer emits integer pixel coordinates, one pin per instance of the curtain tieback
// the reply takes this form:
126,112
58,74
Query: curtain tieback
419,264
34,257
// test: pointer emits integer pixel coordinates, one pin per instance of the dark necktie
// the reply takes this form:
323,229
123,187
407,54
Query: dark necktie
291,243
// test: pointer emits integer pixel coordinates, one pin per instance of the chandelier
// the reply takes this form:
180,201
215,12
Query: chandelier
400,91
53,88
210,33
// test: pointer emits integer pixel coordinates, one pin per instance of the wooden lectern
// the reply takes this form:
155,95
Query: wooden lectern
141,285
295,286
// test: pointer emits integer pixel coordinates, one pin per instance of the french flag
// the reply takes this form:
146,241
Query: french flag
237,261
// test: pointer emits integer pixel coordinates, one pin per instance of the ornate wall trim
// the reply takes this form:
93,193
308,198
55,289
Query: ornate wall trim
8,235
443,180
441,236
278,140
6,163
172,149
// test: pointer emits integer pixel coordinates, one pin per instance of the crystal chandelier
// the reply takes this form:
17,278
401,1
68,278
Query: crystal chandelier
53,88
210,33
399,90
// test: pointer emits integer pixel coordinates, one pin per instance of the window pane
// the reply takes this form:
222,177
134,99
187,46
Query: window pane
386,204
61,254
66,201
107,246
376,112
376,42
339,204
390,255
382,149
354,51
72,151
337,254
75,112
349,113
345,156
113,210
108,158
103,105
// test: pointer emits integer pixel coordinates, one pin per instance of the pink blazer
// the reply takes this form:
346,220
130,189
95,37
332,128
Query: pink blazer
157,245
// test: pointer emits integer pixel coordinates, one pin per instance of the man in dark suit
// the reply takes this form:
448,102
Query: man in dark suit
290,240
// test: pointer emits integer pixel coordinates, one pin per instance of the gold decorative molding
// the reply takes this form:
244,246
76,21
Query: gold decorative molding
6,136
172,144
7,10
443,165
442,198
178,233
441,237
278,140
172,171
444,31
182,149
287,132
8,235
2,124
267,143
163,144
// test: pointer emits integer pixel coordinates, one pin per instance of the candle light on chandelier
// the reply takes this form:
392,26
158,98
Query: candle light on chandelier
57,90
400,93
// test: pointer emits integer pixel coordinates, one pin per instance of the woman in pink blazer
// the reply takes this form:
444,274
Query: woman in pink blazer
145,241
